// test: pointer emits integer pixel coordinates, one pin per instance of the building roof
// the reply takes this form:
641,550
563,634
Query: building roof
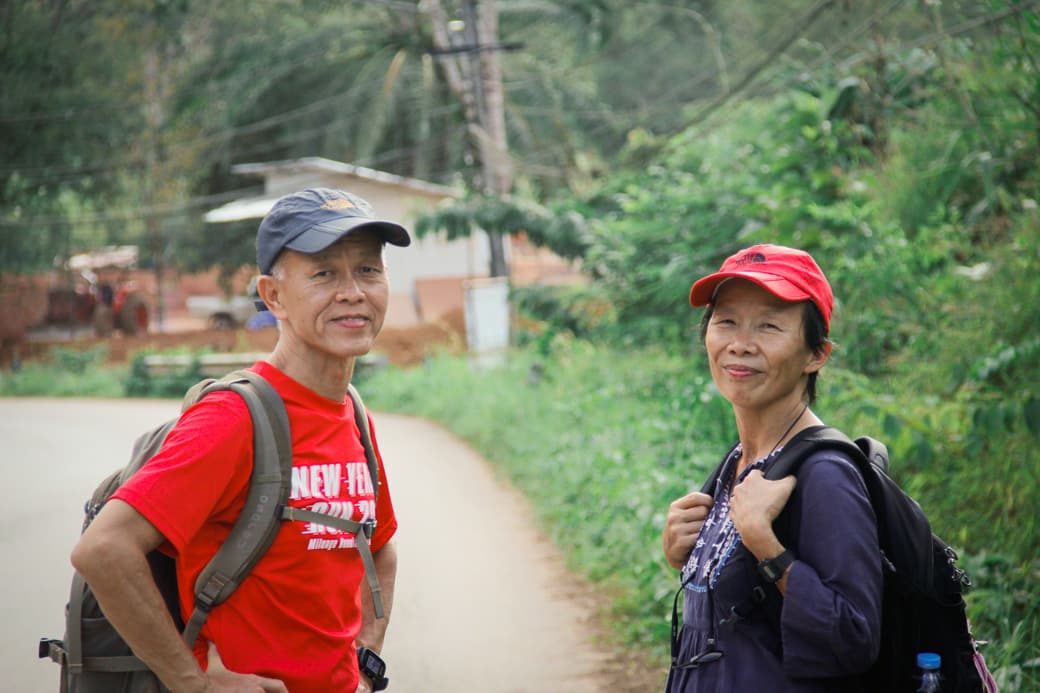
317,163
257,207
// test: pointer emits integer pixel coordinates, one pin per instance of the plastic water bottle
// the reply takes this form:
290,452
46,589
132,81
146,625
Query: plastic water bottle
928,666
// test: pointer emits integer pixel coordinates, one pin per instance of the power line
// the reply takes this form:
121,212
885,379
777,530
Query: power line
810,18
140,214
60,172
530,157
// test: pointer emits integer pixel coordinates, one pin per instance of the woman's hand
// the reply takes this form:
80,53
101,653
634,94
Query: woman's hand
755,503
683,525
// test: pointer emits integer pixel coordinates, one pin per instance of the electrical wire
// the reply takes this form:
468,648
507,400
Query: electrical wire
530,159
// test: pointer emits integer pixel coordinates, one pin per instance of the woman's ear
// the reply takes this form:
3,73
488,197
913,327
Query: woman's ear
818,358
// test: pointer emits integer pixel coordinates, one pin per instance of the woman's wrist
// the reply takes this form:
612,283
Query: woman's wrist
762,542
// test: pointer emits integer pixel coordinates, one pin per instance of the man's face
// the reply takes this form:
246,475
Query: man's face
333,302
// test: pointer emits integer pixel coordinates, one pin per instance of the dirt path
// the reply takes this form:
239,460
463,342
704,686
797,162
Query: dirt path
483,602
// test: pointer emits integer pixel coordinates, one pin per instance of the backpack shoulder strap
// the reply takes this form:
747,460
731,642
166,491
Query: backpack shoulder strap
709,484
810,440
256,527
361,418
788,461
863,451
904,533
362,531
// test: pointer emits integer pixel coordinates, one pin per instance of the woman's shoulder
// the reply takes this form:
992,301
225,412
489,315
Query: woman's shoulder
827,468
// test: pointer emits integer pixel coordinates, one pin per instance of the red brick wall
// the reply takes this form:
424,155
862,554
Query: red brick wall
23,303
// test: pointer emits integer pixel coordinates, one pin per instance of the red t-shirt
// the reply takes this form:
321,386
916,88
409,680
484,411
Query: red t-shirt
296,615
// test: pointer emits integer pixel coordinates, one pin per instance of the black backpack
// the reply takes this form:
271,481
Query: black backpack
92,655
923,607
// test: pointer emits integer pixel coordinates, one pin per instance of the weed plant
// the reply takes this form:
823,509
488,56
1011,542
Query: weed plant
67,373
602,439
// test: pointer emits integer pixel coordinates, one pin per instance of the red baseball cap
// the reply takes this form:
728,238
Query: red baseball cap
787,273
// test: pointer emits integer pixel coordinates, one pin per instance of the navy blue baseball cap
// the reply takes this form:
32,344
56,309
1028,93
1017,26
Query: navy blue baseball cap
311,220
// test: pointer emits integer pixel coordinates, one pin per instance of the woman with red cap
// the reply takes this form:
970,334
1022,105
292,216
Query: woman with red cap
760,614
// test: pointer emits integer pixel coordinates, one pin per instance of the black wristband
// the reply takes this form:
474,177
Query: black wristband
372,666
772,569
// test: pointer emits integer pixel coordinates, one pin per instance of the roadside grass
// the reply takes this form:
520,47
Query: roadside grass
601,440
67,373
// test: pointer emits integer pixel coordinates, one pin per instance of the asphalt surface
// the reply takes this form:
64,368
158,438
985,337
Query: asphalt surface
483,602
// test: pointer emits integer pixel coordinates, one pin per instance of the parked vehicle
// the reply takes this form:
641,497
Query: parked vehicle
222,312
81,297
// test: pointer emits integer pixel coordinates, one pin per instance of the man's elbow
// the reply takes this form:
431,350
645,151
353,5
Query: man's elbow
100,553
118,538
90,555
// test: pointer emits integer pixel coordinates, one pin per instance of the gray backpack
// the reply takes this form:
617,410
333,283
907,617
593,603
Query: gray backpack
93,657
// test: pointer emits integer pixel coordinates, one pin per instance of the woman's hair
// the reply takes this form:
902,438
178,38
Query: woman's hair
814,329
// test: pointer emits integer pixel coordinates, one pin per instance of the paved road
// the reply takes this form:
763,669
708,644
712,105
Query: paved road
483,603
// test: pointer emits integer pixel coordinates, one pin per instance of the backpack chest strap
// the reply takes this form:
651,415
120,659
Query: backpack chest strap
362,532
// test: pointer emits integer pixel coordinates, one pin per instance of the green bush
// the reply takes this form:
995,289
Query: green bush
602,439
141,382
67,373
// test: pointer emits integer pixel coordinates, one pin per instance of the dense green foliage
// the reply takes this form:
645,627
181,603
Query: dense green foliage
898,142
601,440
67,373
121,119
931,239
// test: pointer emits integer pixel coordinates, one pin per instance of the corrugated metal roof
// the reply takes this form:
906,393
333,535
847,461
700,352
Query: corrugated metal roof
257,207
239,210
318,163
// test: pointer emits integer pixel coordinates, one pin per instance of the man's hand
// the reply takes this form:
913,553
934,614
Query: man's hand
221,679
683,525
363,685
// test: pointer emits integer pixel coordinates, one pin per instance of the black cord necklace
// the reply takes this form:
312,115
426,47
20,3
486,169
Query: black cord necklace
784,435
789,428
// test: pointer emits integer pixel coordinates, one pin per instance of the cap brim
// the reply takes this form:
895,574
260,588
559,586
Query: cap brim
704,289
320,237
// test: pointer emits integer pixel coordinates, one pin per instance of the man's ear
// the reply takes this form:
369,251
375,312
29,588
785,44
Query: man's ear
818,358
270,292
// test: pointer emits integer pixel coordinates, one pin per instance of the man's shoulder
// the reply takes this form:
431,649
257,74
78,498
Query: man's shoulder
219,414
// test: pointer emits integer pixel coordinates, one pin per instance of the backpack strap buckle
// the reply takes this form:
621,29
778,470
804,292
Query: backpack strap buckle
208,594
52,649
738,612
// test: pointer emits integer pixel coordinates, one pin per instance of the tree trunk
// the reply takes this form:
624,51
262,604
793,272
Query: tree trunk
155,118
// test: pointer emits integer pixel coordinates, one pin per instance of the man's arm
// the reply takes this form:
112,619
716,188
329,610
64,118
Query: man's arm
111,555
373,629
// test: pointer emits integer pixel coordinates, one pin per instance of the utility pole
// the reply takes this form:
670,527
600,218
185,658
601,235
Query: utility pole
474,73
154,111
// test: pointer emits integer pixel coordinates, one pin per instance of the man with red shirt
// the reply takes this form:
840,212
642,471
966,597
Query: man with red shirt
299,620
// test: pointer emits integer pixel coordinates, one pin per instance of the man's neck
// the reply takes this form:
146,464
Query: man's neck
329,377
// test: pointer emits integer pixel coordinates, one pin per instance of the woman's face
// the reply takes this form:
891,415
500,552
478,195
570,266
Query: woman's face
756,347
